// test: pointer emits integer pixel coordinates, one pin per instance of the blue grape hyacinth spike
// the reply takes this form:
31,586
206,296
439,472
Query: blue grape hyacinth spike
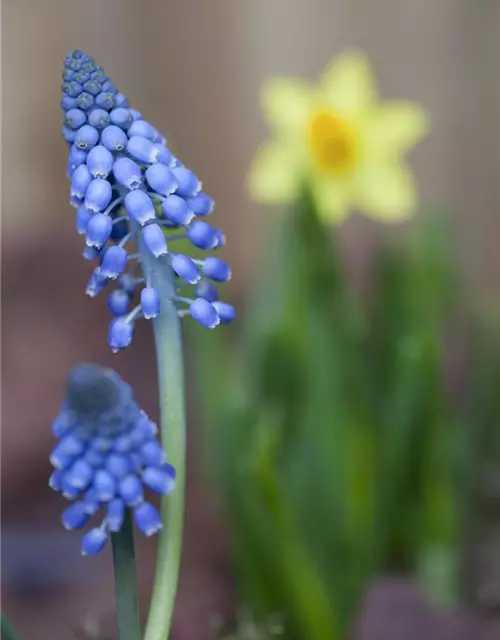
107,457
128,188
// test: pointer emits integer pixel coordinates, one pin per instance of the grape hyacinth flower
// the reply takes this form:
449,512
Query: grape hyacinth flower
106,457
127,186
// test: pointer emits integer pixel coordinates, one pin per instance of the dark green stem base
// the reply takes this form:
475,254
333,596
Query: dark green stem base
127,603
8,632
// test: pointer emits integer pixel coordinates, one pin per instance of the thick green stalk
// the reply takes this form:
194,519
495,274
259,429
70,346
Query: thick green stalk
173,434
127,603
8,632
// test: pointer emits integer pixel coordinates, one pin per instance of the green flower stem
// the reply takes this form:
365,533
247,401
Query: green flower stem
127,603
173,434
8,632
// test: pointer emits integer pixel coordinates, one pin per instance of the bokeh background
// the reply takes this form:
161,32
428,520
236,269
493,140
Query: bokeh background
194,68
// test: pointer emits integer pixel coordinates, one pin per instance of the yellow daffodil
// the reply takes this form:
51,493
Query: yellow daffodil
341,141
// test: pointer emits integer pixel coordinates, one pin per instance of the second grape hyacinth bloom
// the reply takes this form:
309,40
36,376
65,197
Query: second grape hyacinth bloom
107,454
127,186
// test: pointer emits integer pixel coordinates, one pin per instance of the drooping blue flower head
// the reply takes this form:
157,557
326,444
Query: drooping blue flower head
127,185
106,456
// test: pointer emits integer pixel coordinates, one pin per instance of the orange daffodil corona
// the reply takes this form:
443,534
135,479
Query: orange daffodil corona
341,141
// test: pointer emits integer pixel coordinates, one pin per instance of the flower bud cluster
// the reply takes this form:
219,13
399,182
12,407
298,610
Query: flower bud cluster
126,185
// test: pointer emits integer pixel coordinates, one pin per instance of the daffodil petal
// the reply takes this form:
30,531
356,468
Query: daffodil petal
286,104
349,85
274,175
395,127
386,192
332,198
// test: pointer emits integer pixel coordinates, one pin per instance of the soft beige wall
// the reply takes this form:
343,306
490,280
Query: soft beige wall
194,67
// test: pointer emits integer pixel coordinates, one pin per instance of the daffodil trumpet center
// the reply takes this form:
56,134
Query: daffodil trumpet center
332,143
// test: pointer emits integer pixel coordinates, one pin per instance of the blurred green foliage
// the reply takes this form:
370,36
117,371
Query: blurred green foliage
331,434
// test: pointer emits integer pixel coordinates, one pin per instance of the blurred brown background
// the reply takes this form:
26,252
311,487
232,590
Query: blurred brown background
194,68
